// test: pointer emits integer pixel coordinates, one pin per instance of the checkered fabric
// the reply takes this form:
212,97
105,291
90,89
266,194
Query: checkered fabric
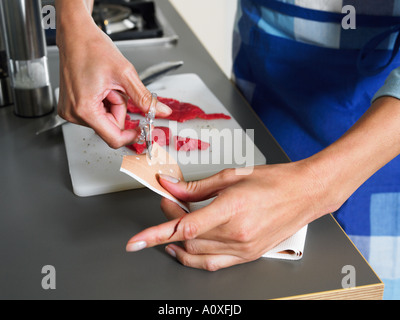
375,229
329,34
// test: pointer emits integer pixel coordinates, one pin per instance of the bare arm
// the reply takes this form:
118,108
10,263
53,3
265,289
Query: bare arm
74,5
254,213
92,70
369,145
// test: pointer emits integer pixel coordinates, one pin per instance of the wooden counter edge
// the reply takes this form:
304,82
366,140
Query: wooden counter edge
366,292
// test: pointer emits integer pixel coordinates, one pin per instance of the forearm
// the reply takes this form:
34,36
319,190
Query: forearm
74,6
369,145
73,19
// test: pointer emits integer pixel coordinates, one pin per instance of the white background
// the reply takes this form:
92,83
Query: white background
212,21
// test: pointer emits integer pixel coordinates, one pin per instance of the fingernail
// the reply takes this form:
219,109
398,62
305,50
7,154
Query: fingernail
169,178
163,108
170,251
136,246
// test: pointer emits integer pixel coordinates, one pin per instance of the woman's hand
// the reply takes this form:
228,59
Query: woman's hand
250,215
92,72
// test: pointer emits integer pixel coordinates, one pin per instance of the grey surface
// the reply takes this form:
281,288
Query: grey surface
43,223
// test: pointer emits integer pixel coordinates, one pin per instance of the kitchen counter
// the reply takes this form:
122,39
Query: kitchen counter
43,223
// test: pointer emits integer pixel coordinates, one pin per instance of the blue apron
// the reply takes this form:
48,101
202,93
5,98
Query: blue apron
309,96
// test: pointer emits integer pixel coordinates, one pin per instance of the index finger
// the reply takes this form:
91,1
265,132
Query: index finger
187,227
140,96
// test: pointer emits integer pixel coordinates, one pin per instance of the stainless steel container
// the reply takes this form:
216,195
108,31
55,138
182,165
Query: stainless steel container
28,64
5,85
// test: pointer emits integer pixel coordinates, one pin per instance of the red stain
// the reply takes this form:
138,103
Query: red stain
176,228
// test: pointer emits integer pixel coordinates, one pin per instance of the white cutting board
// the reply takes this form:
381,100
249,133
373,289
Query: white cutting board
95,168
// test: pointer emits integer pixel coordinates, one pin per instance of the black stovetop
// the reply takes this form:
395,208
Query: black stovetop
149,27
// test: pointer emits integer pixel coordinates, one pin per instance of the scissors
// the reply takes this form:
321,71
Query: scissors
147,126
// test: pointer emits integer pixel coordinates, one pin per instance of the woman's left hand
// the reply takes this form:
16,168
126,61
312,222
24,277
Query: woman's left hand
250,215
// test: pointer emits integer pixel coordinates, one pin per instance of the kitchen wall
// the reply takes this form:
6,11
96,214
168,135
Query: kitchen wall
212,21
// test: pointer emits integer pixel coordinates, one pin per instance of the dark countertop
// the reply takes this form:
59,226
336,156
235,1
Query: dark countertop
43,223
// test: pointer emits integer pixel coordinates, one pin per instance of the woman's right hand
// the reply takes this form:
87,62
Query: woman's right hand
92,72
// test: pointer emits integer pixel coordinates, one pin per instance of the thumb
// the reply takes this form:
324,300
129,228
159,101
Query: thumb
200,190
142,97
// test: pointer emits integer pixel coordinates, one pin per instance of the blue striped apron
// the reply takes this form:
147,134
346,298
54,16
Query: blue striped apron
309,96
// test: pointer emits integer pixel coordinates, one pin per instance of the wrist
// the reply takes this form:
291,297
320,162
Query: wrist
325,188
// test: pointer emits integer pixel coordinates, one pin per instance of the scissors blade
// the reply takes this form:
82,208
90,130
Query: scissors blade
52,123
150,116
149,139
